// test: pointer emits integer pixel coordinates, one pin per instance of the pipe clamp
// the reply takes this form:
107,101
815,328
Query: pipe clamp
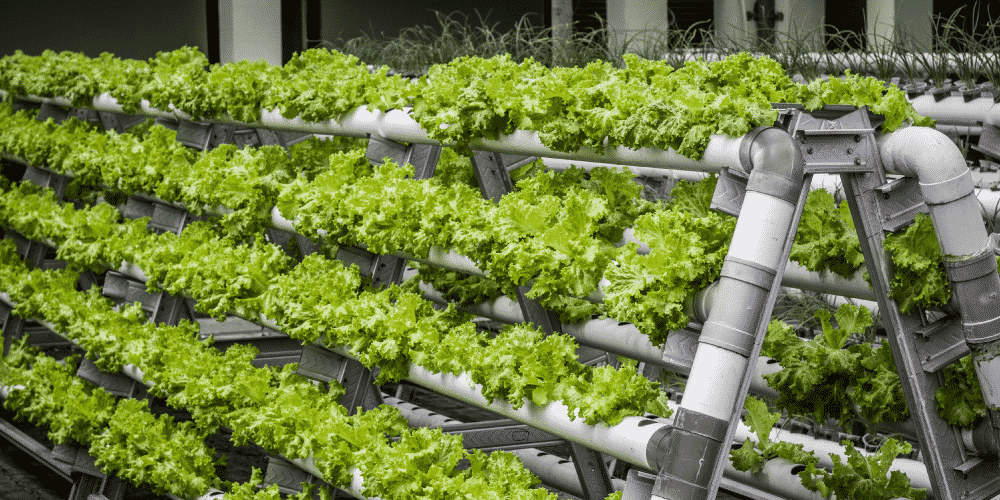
982,264
983,332
727,337
749,272
776,185
956,188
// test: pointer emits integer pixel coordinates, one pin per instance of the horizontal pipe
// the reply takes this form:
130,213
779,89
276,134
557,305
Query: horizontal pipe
552,470
954,110
612,336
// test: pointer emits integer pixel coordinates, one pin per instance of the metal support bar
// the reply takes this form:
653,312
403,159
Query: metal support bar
320,364
594,476
116,384
48,110
119,122
504,434
493,174
47,179
918,350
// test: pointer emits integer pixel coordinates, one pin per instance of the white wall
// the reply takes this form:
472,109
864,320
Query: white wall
899,20
633,20
250,30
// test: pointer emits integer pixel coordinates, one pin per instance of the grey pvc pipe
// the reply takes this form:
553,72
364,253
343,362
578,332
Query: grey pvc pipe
947,187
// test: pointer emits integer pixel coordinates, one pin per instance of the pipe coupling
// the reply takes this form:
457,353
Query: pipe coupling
692,447
745,161
975,283
749,272
947,191
728,337
774,161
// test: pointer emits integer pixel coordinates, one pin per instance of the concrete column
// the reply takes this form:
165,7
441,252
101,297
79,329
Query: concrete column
801,24
250,30
636,22
906,21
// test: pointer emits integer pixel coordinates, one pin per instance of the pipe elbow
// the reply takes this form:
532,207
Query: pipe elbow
924,153
775,163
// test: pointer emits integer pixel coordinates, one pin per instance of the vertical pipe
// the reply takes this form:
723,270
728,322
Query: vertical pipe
692,453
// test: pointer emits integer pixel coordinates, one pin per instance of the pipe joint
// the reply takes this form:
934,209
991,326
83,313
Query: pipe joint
775,163
692,446
975,283
749,272
947,191
728,337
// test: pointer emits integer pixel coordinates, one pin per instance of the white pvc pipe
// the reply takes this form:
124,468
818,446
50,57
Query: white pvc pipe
5,390
953,110
761,227
357,482
627,440
551,469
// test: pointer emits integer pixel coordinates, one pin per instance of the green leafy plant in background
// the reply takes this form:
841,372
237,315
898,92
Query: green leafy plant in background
751,456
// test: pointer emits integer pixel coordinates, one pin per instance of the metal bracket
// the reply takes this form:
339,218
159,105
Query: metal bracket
119,122
423,157
840,145
321,364
493,172
594,476
501,434
989,142
288,476
194,135
203,136
159,307
47,179
899,203
118,385
85,115
57,113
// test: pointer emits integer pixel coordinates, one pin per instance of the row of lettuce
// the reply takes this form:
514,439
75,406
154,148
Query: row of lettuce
557,232
643,104
217,391
274,408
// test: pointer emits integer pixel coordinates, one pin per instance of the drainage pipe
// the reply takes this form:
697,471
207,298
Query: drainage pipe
947,187
721,371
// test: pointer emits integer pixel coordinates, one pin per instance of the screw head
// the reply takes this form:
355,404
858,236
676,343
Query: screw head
857,161
850,150
809,150
857,138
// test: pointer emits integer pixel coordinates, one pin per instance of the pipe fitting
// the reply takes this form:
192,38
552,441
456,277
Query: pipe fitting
775,161
694,444
748,283
947,191
975,281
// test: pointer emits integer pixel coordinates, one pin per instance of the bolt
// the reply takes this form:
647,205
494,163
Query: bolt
850,150
857,138
857,161
809,150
